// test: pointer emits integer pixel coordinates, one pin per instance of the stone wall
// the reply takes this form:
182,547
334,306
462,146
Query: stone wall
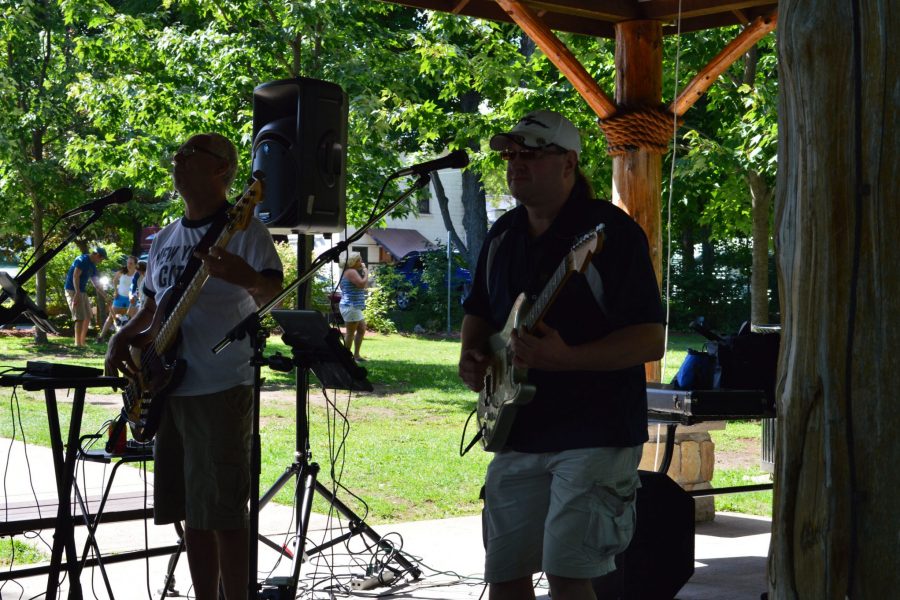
693,461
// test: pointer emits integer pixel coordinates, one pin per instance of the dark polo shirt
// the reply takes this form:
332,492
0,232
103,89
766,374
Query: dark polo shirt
573,409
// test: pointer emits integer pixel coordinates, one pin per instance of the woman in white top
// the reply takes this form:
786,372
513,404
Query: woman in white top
122,301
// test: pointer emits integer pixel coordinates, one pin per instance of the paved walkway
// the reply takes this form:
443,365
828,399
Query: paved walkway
729,552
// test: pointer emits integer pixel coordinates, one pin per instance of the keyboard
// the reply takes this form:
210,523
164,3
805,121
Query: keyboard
38,368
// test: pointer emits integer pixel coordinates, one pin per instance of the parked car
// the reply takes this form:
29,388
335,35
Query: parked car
411,267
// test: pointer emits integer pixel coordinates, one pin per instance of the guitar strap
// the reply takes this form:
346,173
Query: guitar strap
193,265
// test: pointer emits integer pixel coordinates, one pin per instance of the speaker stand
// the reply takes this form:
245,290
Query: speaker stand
334,366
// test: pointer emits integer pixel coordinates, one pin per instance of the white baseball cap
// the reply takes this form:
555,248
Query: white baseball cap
539,129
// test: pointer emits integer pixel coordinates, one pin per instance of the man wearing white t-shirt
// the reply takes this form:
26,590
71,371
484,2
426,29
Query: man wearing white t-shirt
202,446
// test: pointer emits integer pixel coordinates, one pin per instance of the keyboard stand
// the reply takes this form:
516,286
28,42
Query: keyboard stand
92,520
64,459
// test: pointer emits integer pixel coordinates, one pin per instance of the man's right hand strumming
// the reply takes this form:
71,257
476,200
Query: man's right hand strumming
118,351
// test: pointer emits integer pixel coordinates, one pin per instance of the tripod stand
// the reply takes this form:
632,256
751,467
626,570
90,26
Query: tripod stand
316,347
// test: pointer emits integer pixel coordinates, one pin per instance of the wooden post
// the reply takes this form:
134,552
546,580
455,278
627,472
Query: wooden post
835,522
637,176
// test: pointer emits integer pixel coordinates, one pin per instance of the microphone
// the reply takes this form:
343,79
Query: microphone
120,196
455,160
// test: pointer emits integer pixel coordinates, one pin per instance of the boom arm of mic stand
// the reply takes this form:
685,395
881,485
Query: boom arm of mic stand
44,258
322,259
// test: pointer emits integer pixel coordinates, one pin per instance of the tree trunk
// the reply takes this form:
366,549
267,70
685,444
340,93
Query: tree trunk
40,278
835,521
474,200
444,207
37,233
761,197
474,215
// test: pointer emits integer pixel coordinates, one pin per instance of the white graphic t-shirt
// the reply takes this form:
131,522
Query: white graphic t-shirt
219,307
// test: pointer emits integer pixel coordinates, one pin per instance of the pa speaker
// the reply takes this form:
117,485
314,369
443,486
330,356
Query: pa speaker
660,558
300,148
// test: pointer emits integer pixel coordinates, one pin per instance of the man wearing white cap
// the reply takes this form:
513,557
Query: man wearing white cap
559,495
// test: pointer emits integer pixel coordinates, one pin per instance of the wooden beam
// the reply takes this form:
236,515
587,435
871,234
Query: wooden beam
560,56
459,6
724,59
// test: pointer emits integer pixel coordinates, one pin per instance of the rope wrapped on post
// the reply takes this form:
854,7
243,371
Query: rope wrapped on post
648,129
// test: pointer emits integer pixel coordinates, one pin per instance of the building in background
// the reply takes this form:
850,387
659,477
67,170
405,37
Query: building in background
420,230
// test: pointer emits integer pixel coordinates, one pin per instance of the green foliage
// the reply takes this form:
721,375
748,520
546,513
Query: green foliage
382,300
378,311
16,552
288,256
717,288
95,96
424,307
431,303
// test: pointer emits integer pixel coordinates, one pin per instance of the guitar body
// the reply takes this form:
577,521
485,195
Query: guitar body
157,375
506,387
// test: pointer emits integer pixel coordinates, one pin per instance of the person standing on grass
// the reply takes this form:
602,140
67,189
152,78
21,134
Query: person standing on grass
122,285
136,293
354,281
82,270
202,446
559,497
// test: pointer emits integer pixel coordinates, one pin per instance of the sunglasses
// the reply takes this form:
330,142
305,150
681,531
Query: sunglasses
190,149
529,154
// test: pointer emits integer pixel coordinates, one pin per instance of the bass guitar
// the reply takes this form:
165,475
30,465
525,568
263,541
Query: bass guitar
506,386
154,350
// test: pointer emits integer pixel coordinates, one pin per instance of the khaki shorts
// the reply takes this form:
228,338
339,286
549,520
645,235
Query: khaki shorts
81,311
202,456
565,513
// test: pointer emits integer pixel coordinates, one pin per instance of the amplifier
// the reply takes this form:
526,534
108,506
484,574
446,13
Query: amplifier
708,405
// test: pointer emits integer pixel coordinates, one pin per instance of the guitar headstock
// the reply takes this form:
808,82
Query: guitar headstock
240,214
584,248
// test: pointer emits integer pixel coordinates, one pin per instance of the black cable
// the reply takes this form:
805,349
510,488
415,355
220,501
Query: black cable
147,537
462,437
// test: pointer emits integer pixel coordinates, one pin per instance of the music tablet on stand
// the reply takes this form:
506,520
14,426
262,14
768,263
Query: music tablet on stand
318,347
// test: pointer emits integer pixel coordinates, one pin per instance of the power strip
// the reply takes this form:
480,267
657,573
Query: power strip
374,581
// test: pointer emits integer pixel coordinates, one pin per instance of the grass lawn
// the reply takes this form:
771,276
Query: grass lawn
396,448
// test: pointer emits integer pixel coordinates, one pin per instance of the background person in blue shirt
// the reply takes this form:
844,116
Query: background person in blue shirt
83,268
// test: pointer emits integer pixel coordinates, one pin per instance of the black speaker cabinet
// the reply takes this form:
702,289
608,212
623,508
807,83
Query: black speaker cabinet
300,147
660,558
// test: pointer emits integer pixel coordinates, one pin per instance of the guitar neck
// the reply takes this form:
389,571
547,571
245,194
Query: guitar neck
540,306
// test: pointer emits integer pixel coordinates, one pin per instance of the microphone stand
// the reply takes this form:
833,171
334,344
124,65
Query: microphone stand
328,256
251,326
12,286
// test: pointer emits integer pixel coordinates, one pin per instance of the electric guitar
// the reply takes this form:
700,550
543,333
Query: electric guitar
506,387
154,350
